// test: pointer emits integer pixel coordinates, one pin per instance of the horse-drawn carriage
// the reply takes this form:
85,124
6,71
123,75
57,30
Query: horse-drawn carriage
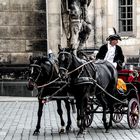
127,102
95,74
92,85
72,83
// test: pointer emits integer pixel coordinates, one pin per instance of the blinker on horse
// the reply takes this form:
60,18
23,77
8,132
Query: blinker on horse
43,70
87,73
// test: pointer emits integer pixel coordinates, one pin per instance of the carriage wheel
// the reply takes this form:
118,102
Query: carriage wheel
133,113
117,117
89,115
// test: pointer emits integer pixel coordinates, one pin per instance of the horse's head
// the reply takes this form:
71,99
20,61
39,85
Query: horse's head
65,61
34,72
39,69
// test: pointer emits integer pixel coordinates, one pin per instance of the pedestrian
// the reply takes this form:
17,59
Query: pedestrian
112,52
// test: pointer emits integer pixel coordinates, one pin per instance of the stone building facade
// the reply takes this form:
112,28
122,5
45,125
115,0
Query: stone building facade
104,15
22,30
30,27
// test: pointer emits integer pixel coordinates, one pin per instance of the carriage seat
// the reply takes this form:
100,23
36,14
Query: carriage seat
121,86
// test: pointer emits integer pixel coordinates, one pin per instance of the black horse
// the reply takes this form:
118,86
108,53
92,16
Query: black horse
42,71
84,77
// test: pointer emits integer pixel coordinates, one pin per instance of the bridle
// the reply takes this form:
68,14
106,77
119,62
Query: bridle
39,69
76,69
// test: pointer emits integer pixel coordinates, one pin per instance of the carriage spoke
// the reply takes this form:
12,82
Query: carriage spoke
133,113
117,117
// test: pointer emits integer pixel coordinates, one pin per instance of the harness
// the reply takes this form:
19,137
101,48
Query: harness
90,79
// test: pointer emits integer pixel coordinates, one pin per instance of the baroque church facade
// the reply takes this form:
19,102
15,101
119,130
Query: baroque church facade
31,27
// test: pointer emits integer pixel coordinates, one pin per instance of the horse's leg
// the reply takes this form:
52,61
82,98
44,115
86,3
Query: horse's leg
60,112
83,105
73,105
104,105
110,104
111,115
67,105
104,117
111,89
82,114
78,113
40,110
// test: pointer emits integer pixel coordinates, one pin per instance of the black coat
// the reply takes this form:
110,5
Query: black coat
119,57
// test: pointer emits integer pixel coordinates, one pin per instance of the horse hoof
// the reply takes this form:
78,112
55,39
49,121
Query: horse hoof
61,131
36,133
85,132
68,129
107,131
111,125
80,134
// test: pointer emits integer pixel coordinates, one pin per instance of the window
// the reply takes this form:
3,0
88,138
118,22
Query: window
126,15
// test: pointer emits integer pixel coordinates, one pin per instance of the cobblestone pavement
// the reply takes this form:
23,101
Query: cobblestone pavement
18,119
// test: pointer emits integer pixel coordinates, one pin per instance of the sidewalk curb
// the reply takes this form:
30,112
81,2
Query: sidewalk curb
18,99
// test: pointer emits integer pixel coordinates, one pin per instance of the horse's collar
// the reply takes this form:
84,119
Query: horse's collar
83,80
64,52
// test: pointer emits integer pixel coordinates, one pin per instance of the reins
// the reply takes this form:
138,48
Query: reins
55,93
96,82
107,92
80,67
47,84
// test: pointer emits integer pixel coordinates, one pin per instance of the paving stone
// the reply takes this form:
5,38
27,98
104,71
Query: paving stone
18,121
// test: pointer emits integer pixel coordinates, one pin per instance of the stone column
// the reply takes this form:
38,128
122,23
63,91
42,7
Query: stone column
98,29
53,24
112,9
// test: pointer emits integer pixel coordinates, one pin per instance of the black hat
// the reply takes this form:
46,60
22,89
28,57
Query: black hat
114,37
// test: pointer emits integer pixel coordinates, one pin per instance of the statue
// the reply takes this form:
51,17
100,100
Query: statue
76,22
79,5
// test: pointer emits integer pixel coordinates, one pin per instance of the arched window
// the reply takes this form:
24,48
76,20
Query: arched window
125,16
